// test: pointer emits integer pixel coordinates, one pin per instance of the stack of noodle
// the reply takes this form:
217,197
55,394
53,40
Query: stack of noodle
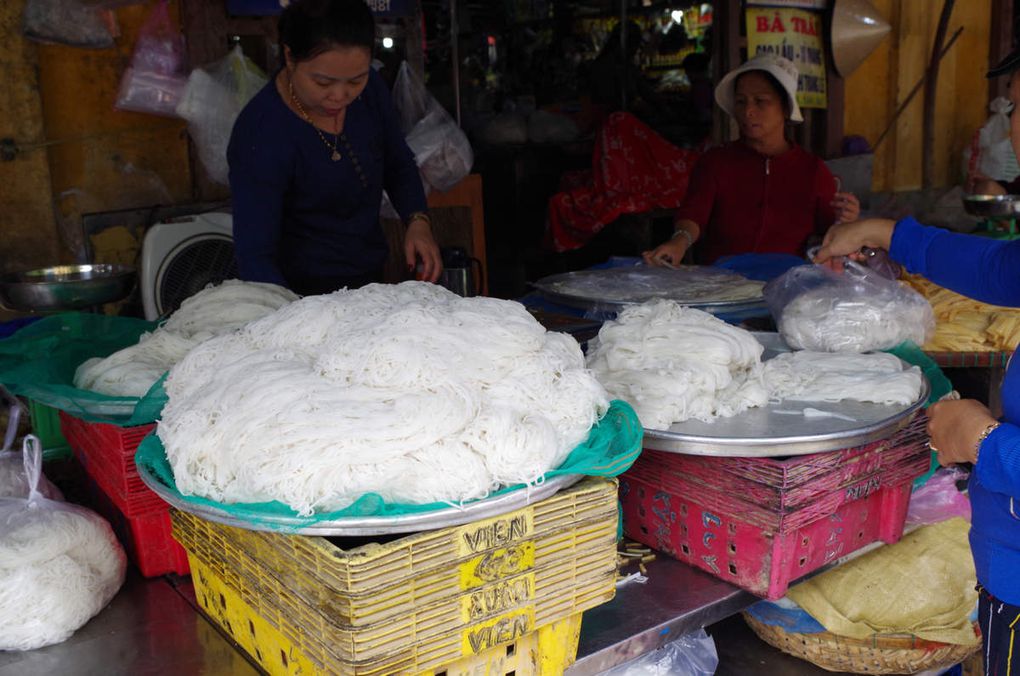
407,391
211,312
674,364
966,325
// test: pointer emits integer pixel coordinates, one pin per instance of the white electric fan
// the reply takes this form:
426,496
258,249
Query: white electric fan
182,256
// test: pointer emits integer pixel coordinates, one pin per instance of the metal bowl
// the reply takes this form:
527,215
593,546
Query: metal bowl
992,206
65,287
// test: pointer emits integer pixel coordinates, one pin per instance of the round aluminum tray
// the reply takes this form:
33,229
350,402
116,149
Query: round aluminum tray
992,206
763,432
367,525
556,288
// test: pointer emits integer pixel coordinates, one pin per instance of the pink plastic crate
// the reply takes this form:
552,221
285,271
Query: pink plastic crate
146,537
107,453
788,482
758,539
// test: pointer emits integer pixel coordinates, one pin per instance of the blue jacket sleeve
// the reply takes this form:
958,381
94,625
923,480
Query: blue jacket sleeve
978,267
401,179
998,466
259,178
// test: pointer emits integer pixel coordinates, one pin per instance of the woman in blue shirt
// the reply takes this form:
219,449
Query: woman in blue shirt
966,431
311,154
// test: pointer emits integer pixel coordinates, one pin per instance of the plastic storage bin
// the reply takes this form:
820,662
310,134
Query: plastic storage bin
46,426
762,523
421,602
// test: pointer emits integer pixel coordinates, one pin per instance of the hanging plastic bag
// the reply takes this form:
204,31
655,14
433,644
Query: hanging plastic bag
13,480
857,310
60,564
995,158
154,82
66,22
212,100
692,654
441,149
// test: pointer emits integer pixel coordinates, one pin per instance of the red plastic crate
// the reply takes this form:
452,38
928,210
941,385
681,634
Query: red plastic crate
107,452
146,537
763,547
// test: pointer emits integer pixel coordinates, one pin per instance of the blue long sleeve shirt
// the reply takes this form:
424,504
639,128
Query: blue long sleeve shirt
987,270
302,220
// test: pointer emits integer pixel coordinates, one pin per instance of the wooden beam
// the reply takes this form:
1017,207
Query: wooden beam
1000,42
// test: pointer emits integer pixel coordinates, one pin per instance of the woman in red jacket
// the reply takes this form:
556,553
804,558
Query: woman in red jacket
761,193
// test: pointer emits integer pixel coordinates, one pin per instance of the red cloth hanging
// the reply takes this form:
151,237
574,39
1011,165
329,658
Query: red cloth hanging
634,170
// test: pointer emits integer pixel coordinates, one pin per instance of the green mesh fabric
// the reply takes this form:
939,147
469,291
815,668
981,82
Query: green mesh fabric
940,387
39,362
612,446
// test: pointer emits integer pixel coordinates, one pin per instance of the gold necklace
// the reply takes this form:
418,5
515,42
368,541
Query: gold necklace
335,156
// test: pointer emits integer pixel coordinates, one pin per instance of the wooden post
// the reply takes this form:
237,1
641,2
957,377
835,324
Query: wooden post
930,87
1000,43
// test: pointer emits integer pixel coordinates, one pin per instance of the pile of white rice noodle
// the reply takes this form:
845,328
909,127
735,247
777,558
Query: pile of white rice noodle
408,391
211,312
675,363
60,564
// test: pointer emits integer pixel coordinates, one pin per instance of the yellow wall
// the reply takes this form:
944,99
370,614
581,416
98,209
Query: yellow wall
97,158
875,90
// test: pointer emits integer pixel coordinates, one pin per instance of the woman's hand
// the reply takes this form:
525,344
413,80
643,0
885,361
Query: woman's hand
954,428
419,243
847,207
667,255
846,239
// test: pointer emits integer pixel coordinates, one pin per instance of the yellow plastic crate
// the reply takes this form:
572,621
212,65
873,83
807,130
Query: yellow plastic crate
547,651
466,588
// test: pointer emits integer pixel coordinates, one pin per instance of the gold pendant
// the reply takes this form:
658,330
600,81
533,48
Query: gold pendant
335,156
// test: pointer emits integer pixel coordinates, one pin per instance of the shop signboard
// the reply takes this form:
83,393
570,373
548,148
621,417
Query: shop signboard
382,8
797,35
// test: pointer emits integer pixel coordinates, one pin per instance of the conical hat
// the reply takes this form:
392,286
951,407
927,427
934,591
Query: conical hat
857,28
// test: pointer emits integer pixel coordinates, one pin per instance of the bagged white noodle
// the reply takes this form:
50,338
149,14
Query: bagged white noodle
408,391
855,311
60,564
674,363
212,311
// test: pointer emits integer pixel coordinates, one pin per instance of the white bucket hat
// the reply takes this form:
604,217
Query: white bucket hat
782,69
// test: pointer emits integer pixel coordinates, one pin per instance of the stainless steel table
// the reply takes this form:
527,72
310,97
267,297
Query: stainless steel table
676,599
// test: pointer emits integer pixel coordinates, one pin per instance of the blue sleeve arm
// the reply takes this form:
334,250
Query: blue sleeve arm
998,466
978,267
258,183
401,179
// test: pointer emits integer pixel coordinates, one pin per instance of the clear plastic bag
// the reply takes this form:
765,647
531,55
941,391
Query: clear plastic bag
692,654
60,564
441,149
212,100
857,310
995,156
13,480
66,22
154,82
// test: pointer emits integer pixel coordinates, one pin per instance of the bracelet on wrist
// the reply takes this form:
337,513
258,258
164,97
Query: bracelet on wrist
981,439
681,232
420,216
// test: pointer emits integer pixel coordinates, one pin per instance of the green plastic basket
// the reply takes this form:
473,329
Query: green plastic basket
46,426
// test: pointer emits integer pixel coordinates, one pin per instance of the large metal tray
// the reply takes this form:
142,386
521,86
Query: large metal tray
556,289
762,432
367,525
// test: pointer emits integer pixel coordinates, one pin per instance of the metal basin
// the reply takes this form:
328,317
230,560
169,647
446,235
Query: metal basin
66,287
992,206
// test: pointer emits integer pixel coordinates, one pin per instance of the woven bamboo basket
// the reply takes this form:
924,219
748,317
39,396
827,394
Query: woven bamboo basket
880,654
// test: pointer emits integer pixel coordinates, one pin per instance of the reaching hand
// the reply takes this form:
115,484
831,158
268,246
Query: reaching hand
846,239
419,243
954,428
668,255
